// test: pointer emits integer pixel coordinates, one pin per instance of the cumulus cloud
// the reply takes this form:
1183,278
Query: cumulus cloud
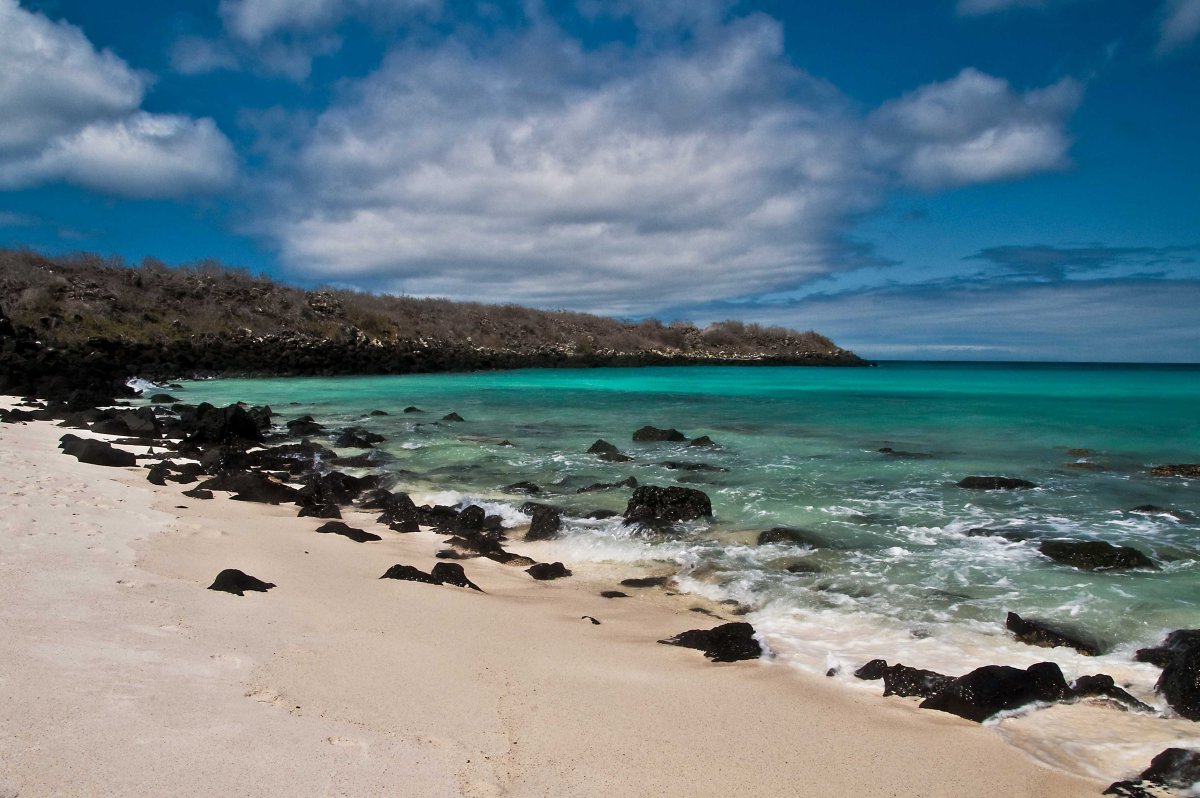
195,55
974,128
69,112
538,172
1180,25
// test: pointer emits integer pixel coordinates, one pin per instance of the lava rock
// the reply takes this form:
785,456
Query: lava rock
703,440
611,594
995,483
409,573
399,513
902,680
94,452
232,425
1094,555
1103,685
1177,768
527,488
985,691
413,409
452,417
231,580
451,573
305,425
796,537
545,524
1190,470
1179,684
357,438
606,451
354,533
680,465
318,510
197,493
548,570
872,671
377,413
162,399
651,504
729,642
654,434
1011,535
251,486
628,482
1036,633
890,452
645,581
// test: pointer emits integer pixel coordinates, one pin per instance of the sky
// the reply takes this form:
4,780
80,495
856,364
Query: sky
934,179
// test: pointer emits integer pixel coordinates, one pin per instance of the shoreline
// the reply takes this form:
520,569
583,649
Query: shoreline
362,685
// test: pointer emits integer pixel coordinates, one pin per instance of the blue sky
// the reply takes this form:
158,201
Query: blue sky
961,179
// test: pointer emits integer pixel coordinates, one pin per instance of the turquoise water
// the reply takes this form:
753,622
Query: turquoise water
899,578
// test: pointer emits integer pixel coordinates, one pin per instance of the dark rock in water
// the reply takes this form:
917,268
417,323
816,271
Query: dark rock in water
399,512
527,488
1011,535
470,519
651,504
703,440
645,581
232,425
354,533
305,425
377,499
378,413
1094,555
872,671
413,409
902,680
1176,515
493,523
996,688
1176,768
94,452
197,493
611,594
451,573
223,458
796,537
890,452
995,483
600,515
1036,633
654,434
545,524
1190,470
679,465
548,570
410,573
364,460
452,417
628,482
162,399
729,642
357,438
804,567
1179,684
1102,685
231,580
606,451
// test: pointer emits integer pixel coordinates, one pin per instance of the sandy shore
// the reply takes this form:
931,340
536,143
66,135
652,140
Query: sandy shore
121,675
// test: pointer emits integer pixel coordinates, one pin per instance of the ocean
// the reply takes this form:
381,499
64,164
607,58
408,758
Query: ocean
895,574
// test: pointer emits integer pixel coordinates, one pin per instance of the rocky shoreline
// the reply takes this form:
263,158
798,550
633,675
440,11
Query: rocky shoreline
243,452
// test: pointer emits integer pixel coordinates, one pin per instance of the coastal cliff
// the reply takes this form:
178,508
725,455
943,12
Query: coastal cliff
100,319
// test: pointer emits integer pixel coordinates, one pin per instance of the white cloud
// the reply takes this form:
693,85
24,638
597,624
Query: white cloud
194,55
978,7
71,113
1180,25
255,20
974,128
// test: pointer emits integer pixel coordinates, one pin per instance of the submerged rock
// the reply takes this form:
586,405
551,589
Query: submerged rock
704,441
1190,470
729,642
231,580
1036,633
654,434
606,451
995,483
796,537
890,452
525,487
628,482
1094,555
452,417
986,691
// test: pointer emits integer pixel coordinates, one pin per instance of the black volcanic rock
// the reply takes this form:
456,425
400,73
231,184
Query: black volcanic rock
198,493
628,482
645,581
682,465
232,425
525,487
606,451
729,642
545,524
305,425
1179,658
873,670
1036,633
251,486
231,580
796,537
985,691
890,452
612,594
94,452
995,483
547,570
413,409
1176,768
1189,470
1094,555
1103,686
452,417
357,438
409,573
399,512
451,573
703,441
902,680
651,504
654,434
353,533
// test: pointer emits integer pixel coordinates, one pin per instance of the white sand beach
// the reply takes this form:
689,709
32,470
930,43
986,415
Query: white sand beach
120,674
